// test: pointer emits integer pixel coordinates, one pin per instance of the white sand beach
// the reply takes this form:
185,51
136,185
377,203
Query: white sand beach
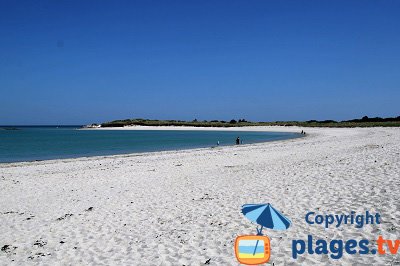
184,207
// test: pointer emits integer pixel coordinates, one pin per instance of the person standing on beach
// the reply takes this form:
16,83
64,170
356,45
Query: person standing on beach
237,141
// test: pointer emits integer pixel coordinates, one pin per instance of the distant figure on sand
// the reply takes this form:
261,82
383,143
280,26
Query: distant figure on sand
237,141
218,143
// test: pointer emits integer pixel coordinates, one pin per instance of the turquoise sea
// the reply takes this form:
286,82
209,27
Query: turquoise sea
28,143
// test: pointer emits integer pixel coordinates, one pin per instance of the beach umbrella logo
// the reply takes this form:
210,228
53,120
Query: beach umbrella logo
256,249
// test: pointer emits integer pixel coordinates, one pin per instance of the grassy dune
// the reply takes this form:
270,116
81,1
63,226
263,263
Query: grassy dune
363,122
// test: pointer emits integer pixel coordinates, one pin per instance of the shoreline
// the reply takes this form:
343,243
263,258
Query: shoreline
161,128
133,154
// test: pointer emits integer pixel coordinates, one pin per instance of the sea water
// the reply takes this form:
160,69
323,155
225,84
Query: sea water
42,143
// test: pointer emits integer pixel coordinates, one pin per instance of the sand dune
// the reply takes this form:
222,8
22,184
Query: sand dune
183,207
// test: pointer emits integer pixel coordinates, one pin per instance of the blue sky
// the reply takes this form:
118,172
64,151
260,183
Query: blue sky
77,62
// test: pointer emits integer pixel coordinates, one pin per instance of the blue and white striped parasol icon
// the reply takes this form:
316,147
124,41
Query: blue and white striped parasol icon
266,216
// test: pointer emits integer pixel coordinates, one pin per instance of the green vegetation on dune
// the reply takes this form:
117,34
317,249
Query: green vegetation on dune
194,123
363,122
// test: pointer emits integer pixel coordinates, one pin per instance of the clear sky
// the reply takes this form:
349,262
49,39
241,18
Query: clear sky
78,62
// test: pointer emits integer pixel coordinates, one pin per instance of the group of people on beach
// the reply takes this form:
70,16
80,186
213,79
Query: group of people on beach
238,141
